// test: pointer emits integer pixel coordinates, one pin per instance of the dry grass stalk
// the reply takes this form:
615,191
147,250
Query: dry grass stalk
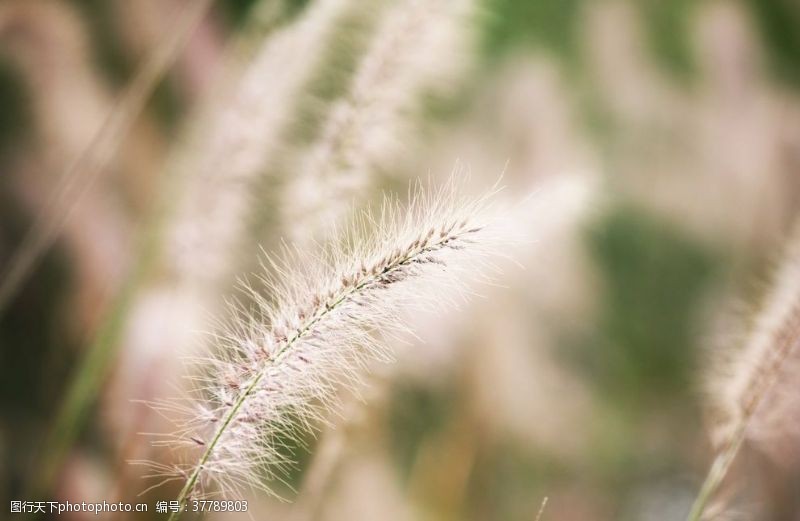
83,170
541,509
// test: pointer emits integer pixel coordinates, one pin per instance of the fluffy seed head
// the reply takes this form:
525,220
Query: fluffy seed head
321,321
758,390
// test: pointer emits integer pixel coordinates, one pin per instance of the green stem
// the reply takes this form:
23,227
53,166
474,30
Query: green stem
716,474
192,481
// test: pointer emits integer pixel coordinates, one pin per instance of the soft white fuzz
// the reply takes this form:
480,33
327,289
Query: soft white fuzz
757,388
326,316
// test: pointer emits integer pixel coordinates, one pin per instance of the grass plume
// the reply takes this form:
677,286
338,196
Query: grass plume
756,402
280,360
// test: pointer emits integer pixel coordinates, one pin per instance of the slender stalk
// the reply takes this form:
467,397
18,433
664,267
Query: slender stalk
541,509
195,475
81,173
90,375
716,474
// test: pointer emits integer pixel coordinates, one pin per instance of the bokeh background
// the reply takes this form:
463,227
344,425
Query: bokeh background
660,141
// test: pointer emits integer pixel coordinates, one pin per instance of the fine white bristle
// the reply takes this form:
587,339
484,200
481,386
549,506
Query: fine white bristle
322,320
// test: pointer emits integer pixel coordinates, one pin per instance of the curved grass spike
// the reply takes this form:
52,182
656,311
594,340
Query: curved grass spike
749,389
282,359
